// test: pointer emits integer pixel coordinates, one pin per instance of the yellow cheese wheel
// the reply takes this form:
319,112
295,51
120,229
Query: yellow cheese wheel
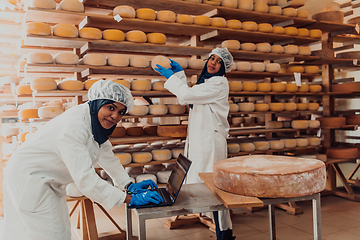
139,61
314,141
176,152
291,49
290,12
262,107
275,10
218,22
45,84
303,32
202,20
302,14
233,23
299,124
248,46
276,144
272,67
158,38
28,113
141,157
118,60
311,69
246,107
176,109
124,158
250,26
229,3
90,33
38,28
277,107
23,90
290,106
21,136
94,59
249,86
66,58
273,125
262,145
136,36
146,13
159,109
277,49
302,106
231,44
88,83
289,143
182,61
124,11
293,31
278,87
160,60
263,87
291,87
184,18
113,35
246,5
166,16
65,30
243,66
161,154
158,86
247,147
302,142
48,112
263,47
278,30
233,148
139,110
123,82
54,103
71,85
315,33
313,106
298,69
314,123
140,85
233,107
40,58
72,6
196,64
303,88
257,67
315,88
304,50
235,86
43,4
265,27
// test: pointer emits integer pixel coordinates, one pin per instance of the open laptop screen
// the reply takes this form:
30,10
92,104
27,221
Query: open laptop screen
178,175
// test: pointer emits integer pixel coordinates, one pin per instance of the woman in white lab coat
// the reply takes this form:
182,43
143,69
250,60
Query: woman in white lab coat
208,125
64,151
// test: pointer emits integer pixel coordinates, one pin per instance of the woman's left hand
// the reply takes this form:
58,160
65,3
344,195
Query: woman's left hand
142,186
175,66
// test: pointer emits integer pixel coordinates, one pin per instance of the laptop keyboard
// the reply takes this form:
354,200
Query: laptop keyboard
164,194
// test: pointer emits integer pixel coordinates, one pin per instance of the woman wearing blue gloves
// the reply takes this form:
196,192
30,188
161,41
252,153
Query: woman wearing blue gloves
208,125
61,152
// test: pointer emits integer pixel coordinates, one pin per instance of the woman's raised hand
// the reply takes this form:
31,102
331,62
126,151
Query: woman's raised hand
175,66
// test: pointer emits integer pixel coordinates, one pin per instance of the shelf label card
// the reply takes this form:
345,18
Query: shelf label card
297,78
355,61
357,28
117,18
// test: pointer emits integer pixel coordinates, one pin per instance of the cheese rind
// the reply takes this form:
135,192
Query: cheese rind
65,30
113,35
166,16
45,84
124,11
72,6
146,13
184,18
38,28
157,38
90,33
202,20
233,23
66,58
136,36
139,61
40,58
118,60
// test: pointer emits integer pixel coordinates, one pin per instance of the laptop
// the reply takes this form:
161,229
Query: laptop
173,186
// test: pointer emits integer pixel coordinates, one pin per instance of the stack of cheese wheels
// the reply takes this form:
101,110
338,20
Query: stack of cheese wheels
158,86
65,30
235,86
118,60
160,60
136,36
90,33
119,131
233,23
270,176
139,61
113,35
172,130
202,20
233,148
38,28
158,109
124,11
157,38
43,84
139,110
48,4
40,58
247,147
72,6
23,89
161,154
123,82
141,157
66,58
71,85
49,112
184,18
196,64
141,85
146,13
94,59
176,109
125,158
231,44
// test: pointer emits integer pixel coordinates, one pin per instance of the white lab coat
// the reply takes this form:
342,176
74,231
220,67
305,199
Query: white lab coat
60,152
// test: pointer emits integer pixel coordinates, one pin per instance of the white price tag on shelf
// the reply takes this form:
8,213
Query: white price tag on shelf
297,78
355,61
357,28
117,18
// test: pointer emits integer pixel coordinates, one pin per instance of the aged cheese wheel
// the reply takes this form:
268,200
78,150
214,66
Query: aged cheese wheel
150,130
290,12
302,14
140,85
163,176
304,50
161,60
71,85
196,64
231,44
315,88
161,154
272,67
157,38
265,27
342,152
315,33
246,107
243,66
273,125
302,106
176,109
202,20
158,86
234,24
43,84
113,35
23,89
90,33
262,145
264,8
40,58
302,142
235,86
185,19
124,11
246,5
314,123
250,26
263,47
247,147
136,36
291,31
290,106
249,86
299,124
289,143
314,141
233,107
158,109
275,10
119,131
66,58
332,122
166,16
218,22
229,3
233,148
134,131
48,112
94,59
146,13
141,157
257,67
311,69
237,120
276,144
28,113
143,177
123,82
125,158
303,32
262,107
303,88
263,87
43,4
139,61
278,30
38,28
176,152
313,106
172,130
182,61
248,46
118,60
72,6
139,110
291,49
277,107
65,30
278,87
298,69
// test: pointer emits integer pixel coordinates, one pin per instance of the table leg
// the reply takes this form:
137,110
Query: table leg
317,217
128,223
142,228
272,222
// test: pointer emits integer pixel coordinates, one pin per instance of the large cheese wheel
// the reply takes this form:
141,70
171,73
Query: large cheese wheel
313,106
66,58
293,31
291,87
302,14
261,7
315,88
94,59
202,20
311,69
278,87
246,5
272,67
23,90
233,148
182,61
247,147
297,69
172,130
277,107
134,131
43,4
302,142
315,33
158,109
257,67
277,49
176,109
139,110
273,125
218,22
184,18
71,85
275,10
234,24
263,47
304,50
235,86
48,112
38,28
150,130
233,107
166,16
90,33
141,157
136,36
196,63
158,86
118,60
303,32
124,11
161,154
278,30
40,58
246,107
139,61
265,27
123,82
143,177
160,60
290,12
290,106
249,86
262,145
229,3
65,30
28,113
276,144
263,87
119,131
72,6
231,44
291,49
314,123
146,13
262,107
158,38
289,143
248,46
302,106
314,141
243,66
299,124
44,84
113,35
250,26
163,176
140,85
124,158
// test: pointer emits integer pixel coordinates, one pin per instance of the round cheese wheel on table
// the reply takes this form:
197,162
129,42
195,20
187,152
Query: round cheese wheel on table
146,13
43,4
248,46
158,86
202,20
235,86
94,59
159,109
71,85
231,44
233,23
40,58
66,58
136,36
278,30
118,60
218,22
161,154
196,64
90,33
38,28
265,27
124,11
72,6
243,66
250,26
113,35
269,176
166,16
289,143
161,60
246,107
157,38
172,130
184,18
125,158
275,10
249,86
23,90
139,110
246,5
176,109
139,61
48,112
140,85
44,84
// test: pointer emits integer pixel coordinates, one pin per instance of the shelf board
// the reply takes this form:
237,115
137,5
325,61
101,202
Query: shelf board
149,163
270,151
345,128
272,112
261,130
139,139
243,93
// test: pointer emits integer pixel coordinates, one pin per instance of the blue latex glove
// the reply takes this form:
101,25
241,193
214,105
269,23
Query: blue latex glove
163,71
142,186
175,66
145,198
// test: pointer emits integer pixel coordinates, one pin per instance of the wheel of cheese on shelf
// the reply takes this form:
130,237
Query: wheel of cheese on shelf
277,107
119,131
278,87
275,10
158,86
124,11
125,158
276,144
146,13
159,109
229,3
273,125
291,49
43,84
176,109
290,106
218,22
315,88
243,66
139,110
315,33
231,44
233,23
262,145
235,86
303,88
212,2
166,16
249,86
176,152
23,90
263,87
290,12
134,131
313,106
182,61
72,6
246,5
265,27
263,8
293,31
123,82
304,50
113,35
118,60
140,85
172,130
71,85
303,32
141,157
278,30
90,33
163,176
257,67
184,18
202,20
143,177
263,47
40,58
277,49
302,106
94,59
262,107
196,64
150,130
43,4
139,61
49,112
246,107
65,30
299,124
297,69
136,36
302,142
272,67
311,69
314,141
160,60
157,38
38,28
233,107
289,143
302,14
66,58
250,26
248,46
314,123
28,113
247,147
161,154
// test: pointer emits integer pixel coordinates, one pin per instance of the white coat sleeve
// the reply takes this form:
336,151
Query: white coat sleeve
73,152
112,166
